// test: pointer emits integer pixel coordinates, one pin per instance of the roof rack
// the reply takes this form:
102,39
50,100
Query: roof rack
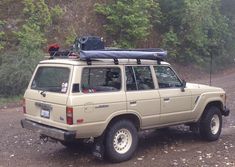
115,54
93,49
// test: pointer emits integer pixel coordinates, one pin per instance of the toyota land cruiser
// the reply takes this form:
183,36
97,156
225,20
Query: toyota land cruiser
111,95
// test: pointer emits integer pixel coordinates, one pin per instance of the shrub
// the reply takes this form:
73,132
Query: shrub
129,21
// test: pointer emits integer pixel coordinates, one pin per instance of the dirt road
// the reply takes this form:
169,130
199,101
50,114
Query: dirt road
173,147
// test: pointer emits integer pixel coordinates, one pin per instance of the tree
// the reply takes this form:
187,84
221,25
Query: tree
18,65
129,21
194,30
1,35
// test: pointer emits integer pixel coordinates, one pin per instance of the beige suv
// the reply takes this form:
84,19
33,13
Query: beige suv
109,96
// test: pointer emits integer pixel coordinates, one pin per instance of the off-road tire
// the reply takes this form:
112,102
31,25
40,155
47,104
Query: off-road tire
211,124
121,141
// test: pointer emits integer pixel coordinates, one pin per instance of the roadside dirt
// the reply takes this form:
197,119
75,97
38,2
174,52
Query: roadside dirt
176,146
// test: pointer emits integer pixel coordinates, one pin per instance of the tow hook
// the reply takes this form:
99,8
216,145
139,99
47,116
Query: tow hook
44,138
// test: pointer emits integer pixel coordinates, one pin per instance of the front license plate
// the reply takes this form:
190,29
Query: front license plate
45,113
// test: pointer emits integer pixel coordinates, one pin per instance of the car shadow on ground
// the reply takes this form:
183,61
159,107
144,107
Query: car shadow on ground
149,140
167,136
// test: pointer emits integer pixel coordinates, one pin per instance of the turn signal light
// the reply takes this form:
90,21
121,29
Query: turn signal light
69,115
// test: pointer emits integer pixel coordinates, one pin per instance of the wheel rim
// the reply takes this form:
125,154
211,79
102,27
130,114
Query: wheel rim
215,124
122,141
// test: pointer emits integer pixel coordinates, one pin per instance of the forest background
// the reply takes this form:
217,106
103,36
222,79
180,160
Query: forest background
192,31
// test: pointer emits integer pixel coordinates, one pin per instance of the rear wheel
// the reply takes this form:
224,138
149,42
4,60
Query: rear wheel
211,124
121,141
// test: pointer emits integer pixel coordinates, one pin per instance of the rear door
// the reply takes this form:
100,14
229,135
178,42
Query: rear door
142,97
102,94
47,93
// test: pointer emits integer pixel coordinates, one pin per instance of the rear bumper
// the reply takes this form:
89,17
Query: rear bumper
226,111
49,131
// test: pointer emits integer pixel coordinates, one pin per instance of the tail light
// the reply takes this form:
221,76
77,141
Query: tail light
69,115
24,106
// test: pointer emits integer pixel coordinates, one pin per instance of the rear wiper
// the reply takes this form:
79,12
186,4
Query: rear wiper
43,93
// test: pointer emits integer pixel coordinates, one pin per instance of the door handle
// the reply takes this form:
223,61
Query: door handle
132,102
166,99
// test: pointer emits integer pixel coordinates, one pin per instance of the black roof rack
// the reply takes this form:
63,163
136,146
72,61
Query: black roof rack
147,54
115,54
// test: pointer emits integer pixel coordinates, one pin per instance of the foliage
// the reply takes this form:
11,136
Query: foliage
70,38
37,12
194,30
17,66
1,35
228,10
5,101
129,21
56,14
30,37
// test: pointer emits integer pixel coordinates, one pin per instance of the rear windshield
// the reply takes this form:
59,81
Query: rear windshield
52,79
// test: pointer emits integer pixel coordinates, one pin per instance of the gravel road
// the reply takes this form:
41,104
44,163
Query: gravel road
176,146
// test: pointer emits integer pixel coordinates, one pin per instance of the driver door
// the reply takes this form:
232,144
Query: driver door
176,105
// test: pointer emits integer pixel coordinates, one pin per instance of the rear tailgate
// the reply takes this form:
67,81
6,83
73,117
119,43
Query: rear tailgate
47,94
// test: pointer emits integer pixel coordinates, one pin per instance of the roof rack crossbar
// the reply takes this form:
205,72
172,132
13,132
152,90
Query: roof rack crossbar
88,61
116,62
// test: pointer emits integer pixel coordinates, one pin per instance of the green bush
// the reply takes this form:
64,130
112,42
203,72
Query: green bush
1,36
70,38
56,14
17,66
194,30
129,21
37,12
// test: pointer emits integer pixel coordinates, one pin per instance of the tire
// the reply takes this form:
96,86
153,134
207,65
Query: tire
121,141
211,124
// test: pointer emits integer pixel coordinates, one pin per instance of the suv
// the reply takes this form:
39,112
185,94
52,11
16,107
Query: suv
109,96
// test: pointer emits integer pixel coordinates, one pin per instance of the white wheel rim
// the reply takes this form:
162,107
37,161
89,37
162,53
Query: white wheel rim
122,141
215,124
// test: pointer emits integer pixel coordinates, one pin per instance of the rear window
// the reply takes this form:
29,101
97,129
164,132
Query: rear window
52,79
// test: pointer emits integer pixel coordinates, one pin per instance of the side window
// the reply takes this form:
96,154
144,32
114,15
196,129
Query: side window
166,77
101,79
139,78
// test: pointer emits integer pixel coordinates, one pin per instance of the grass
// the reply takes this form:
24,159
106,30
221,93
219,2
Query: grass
4,101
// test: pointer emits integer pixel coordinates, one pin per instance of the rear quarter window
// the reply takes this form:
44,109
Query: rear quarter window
101,79
51,79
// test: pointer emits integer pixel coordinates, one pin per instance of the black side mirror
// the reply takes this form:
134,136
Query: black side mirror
183,85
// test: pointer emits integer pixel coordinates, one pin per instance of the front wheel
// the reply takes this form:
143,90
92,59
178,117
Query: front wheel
211,124
121,141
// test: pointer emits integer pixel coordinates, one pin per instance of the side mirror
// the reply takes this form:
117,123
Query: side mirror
183,85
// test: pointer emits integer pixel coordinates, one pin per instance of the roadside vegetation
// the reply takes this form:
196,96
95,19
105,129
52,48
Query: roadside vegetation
192,31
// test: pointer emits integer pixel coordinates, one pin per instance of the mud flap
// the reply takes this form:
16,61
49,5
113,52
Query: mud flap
98,148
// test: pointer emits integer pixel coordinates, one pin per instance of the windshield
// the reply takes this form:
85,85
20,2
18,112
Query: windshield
52,79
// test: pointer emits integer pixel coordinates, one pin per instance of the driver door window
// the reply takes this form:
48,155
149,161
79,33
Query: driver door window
166,77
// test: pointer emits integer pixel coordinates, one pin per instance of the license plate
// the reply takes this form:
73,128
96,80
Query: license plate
45,113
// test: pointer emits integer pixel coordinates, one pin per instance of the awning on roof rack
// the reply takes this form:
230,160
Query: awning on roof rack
148,54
